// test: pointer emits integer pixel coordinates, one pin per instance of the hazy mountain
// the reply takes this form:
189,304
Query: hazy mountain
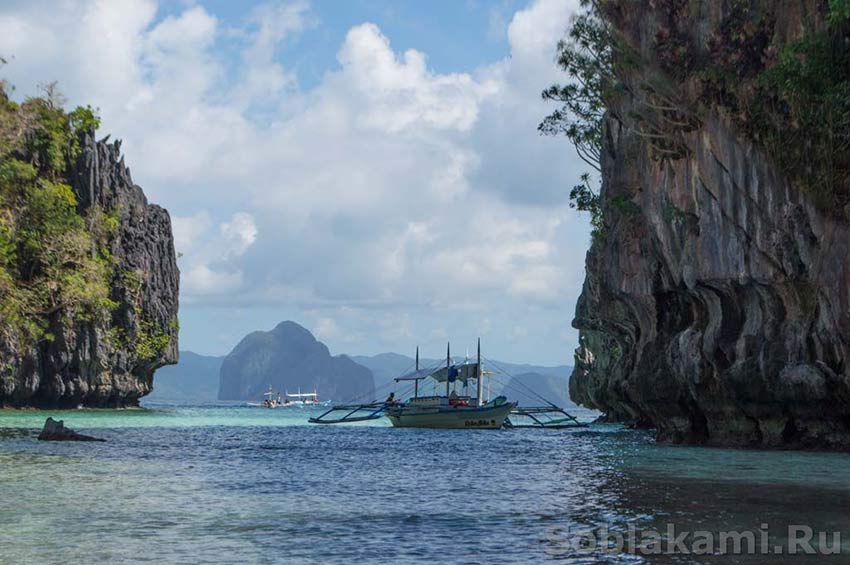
193,379
288,358
510,378
197,377
529,389
387,366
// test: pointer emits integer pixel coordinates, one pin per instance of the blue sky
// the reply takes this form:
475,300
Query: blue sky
370,169
457,35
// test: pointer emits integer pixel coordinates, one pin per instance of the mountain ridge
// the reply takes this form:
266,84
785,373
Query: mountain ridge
196,378
289,357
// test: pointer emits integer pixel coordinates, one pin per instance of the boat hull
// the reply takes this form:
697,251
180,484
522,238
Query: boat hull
450,417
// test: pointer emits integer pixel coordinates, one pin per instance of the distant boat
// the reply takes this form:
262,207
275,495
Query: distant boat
299,399
269,400
452,410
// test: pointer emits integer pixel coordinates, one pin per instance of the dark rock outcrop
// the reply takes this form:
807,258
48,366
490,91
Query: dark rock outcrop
288,358
717,308
56,431
101,364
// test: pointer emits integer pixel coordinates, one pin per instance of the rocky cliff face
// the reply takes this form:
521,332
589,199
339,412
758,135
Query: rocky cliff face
716,306
109,363
288,358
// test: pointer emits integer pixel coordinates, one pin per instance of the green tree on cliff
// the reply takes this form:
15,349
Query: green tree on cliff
587,56
47,267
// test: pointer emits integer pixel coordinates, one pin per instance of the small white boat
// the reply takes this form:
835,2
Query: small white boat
299,399
269,400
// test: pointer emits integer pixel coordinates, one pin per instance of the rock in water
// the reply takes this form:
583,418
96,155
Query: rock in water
56,431
289,358
109,363
716,305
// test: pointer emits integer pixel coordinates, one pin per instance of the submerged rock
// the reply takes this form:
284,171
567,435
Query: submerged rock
56,431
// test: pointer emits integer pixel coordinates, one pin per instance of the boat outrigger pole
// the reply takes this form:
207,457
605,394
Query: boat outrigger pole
453,411
448,368
478,376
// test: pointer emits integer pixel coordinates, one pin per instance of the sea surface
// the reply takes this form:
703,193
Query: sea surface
199,484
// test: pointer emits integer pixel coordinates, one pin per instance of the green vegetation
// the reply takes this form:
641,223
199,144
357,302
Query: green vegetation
151,341
806,125
587,56
51,263
794,101
594,58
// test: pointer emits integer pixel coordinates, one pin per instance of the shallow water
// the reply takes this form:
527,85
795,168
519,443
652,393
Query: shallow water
226,483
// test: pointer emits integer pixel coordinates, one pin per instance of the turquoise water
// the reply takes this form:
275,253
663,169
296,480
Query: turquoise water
167,416
199,484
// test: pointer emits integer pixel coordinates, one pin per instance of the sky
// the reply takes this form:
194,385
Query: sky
370,169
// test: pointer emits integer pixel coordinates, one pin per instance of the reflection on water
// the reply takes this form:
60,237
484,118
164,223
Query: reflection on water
202,484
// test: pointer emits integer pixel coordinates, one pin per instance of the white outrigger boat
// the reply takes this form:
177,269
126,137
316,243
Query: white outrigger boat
299,399
272,399
450,411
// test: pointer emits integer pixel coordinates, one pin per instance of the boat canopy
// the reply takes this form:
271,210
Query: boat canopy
462,373
304,395
416,375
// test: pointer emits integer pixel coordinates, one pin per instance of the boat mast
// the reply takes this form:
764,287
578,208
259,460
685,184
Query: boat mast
448,367
479,377
416,382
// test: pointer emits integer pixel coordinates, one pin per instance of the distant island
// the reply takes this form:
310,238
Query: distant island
193,380
289,357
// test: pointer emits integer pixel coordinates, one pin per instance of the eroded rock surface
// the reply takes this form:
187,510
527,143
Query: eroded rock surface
107,364
716,308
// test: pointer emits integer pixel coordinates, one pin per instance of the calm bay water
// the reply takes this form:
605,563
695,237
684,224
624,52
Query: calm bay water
202,484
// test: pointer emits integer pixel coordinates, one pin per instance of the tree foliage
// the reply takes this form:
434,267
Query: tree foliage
804,116
51,262
152,340
587,55
793,99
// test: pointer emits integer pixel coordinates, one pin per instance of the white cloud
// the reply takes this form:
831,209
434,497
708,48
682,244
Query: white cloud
200,280
207,253
238,234
325,328
270,24
189,230
399,92
389,188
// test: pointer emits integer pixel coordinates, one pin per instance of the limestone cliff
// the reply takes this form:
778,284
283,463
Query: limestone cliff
104,362
716,305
